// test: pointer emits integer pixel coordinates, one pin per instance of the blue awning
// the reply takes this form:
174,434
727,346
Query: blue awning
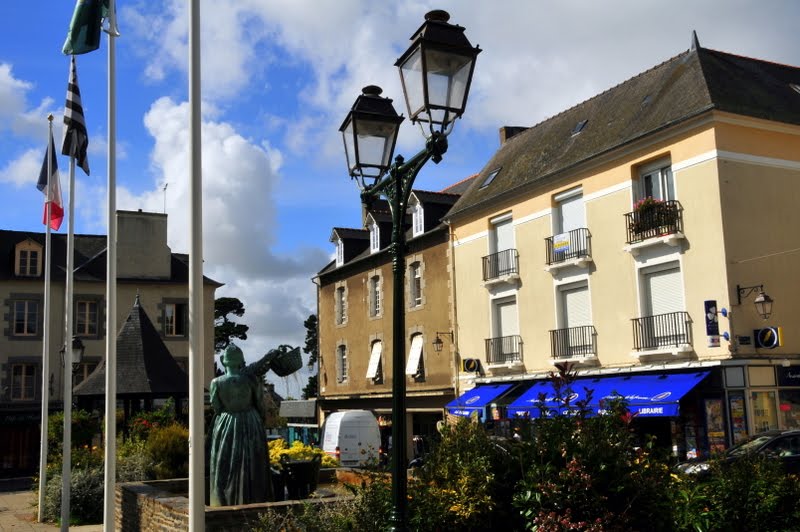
476,399
649,395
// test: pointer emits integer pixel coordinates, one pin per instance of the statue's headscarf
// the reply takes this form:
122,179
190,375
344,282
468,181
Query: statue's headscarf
232,356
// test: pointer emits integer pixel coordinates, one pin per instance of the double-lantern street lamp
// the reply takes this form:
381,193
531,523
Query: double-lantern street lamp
436,72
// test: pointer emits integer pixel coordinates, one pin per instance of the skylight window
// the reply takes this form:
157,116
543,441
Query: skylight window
579,127
489,178
795,87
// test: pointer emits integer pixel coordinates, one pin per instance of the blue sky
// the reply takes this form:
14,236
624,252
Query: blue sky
278,78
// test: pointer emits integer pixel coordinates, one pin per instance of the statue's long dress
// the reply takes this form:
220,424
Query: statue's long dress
239,463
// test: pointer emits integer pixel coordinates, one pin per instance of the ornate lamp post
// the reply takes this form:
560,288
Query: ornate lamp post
436,72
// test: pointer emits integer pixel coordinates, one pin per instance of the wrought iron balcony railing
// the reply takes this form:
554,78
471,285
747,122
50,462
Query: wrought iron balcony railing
573,342
662,330
504,349
502,263
657,219
570,245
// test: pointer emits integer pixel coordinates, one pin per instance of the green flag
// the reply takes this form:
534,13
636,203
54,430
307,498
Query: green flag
84,30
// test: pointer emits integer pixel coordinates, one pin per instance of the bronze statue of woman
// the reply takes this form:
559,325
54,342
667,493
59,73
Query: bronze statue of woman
239,461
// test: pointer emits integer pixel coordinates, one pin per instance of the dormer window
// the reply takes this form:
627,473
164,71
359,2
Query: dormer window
339,252
418,218
28,259
374,237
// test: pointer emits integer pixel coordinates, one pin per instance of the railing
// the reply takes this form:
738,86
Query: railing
573,342
570,245
499,264
662,330
662,218
504,349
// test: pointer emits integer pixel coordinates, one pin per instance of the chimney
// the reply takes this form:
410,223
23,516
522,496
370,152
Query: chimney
506,132
142,250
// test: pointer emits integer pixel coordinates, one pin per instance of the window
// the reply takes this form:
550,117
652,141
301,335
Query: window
575,336
341,305
505,346
417,219
663,290
28,259
375,296
83,371
86,318
26,317
29,262
569,212
374,237
341,362
489,179
416,364
375,367
415,284
175,319
339,252
656,181
23,377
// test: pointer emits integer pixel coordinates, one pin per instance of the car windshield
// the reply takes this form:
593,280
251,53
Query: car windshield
749,445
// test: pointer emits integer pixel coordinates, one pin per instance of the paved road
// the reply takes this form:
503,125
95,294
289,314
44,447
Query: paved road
17,512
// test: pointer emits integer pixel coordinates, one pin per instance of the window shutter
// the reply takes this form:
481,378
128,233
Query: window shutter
414,355
571,214
577,306
507,321
374,361
665,293
504,235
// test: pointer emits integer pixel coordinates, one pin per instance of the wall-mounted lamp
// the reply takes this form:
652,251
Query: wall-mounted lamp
438,343
76,352
762,301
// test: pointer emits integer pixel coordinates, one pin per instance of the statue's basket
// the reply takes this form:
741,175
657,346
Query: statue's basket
287,363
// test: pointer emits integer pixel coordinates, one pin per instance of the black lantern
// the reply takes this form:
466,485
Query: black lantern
438,343
76,352
436,72
370,132
762,301
763,305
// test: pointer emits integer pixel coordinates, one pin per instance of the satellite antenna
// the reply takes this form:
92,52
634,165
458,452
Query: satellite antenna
165,197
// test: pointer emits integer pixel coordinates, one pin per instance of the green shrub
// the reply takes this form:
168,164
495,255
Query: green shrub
86,496
752,493
168,449
85,427
133,462
142,423
586,473
462,484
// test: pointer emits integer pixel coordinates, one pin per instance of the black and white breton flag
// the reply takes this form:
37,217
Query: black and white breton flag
76,140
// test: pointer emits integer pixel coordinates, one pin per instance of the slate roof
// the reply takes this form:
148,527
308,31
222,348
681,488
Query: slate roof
685,86
145,367
90,258
436,205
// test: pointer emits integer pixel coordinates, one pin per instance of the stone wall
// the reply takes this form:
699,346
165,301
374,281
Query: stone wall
163,505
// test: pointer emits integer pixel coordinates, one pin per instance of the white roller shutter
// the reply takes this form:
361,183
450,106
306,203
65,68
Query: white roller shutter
664,291
504,235
571,214
577,306
507,320
374,360
414,355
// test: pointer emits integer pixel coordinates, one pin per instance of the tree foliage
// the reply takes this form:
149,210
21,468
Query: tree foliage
226,330
312,343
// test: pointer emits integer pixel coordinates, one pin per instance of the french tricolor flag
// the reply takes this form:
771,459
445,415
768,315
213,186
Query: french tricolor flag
49,184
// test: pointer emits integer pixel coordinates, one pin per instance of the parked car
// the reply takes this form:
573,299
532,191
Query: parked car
783,445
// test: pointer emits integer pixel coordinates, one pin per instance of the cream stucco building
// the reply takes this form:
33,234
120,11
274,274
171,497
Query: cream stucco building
560,257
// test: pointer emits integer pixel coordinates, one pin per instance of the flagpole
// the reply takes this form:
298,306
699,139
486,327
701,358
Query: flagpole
66,472
46,340
196,322
110,476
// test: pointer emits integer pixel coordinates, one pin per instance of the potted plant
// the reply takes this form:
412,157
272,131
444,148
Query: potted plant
649,213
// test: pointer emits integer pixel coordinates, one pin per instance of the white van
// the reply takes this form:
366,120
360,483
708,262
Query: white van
352,437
